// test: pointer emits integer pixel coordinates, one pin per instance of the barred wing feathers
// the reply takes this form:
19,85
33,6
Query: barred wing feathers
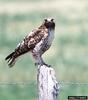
27,44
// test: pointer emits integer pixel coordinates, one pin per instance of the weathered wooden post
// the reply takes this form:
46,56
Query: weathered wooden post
47,84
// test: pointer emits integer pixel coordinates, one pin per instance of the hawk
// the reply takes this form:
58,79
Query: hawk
36,42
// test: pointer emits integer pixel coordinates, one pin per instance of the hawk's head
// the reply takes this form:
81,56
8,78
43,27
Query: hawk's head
49,23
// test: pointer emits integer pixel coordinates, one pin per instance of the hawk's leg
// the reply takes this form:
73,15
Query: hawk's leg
38,59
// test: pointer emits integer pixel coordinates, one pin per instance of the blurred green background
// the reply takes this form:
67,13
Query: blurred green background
68,54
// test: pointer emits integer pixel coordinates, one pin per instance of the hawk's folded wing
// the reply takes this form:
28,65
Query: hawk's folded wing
27,44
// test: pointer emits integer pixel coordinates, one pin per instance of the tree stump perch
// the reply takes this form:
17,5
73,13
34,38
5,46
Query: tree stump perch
47,84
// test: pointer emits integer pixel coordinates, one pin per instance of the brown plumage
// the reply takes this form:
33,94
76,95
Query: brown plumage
31,42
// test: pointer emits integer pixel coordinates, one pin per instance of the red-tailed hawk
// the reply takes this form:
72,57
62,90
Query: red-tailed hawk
36,42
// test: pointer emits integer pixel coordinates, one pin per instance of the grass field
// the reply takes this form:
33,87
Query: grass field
68,54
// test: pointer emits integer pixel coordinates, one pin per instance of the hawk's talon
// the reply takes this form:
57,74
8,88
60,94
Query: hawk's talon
36,64
46,65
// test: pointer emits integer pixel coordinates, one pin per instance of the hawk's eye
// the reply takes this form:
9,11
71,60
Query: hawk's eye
52,20
45,20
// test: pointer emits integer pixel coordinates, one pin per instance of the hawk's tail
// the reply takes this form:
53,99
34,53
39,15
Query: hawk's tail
11,59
